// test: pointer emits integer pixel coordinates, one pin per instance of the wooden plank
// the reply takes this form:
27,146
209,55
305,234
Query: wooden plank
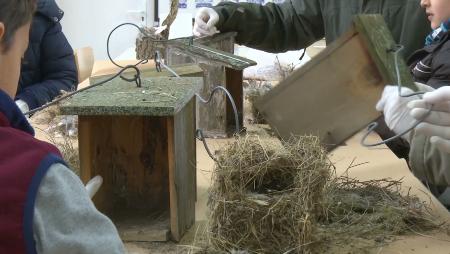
85,152
212,117
377,38
212,56
182,171
185,175
234,80
174,225
333,96
201,52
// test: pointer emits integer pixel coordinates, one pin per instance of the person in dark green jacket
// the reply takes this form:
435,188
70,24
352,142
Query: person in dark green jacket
296,24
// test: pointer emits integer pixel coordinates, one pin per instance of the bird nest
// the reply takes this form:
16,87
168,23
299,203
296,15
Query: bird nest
264,195
272,197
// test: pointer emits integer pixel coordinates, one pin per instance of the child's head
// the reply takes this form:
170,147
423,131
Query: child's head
15,19
438,11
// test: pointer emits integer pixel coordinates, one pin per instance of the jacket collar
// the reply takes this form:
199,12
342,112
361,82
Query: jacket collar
437,34
11,116
50,10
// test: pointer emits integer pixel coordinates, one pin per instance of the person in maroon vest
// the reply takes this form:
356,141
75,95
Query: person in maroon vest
44,207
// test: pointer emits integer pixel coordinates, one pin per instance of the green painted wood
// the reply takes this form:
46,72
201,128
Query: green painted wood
376,35
212,56
202,50
183,70
157,97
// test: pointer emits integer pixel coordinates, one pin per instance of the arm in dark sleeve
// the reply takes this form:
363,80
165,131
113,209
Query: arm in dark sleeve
58,70
273,27
441,68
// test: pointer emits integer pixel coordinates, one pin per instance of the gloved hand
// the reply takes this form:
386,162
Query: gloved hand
93,185
395,110
437,123
23,106
205,22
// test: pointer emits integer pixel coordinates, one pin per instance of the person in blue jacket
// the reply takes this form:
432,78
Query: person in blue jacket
48,66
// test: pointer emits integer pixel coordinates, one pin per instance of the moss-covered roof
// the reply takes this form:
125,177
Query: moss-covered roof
163,96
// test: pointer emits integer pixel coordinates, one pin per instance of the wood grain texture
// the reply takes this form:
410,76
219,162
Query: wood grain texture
182,170
130,153
378,40
332,96
216,118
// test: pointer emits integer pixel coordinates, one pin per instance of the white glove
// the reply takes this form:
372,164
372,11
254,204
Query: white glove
23,106
437,124
205,22
395,110
93,185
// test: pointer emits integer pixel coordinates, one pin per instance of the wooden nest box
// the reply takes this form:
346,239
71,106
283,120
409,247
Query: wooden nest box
142,142
214,55
334,95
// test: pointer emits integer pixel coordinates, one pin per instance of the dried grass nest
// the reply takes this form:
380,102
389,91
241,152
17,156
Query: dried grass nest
272,197
264,195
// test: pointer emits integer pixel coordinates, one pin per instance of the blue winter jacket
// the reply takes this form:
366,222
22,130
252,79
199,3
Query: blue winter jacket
49,64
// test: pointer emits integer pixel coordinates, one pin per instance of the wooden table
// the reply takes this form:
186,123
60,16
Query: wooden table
382,163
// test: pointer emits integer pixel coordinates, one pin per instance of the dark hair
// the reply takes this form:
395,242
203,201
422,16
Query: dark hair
14,14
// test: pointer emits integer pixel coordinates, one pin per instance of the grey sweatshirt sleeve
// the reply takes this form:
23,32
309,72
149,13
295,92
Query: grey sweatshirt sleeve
65,219
427,162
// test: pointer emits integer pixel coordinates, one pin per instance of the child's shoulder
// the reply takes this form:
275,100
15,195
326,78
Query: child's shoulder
18,142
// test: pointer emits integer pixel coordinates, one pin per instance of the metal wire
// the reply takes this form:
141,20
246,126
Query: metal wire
200,136
109,54
371,128
136,78
199,133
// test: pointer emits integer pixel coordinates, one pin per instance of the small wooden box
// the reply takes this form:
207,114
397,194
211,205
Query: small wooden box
334,95
214,54
217,118
142,142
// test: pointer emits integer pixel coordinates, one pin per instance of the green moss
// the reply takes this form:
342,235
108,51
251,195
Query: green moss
157,97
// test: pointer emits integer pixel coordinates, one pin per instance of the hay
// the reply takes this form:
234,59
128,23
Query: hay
58,135
369,213
253,92
69,151
271,197
265,195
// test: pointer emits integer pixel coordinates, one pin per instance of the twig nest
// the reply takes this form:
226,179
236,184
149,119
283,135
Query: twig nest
265,195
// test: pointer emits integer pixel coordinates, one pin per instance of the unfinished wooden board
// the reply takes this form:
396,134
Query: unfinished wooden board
183,172
334,95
